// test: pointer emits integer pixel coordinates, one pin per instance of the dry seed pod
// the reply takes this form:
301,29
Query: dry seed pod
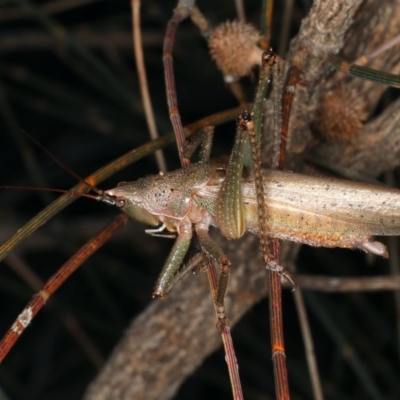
341,115
233,46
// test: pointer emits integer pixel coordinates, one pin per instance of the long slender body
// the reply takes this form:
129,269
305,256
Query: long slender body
317,211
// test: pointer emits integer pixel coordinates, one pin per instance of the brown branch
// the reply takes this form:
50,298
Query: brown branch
358,284
321,32
184,320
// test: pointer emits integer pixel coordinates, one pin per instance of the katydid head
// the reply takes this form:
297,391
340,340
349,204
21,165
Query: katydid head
127,196
166,196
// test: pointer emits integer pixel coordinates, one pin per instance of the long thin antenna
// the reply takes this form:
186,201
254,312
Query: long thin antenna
100,196
61,164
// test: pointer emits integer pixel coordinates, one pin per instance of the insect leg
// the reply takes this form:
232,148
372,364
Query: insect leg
204,137
377,248
229,210
213,250
196,265
166,278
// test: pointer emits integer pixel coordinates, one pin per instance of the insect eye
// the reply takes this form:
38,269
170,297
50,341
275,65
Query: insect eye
119,202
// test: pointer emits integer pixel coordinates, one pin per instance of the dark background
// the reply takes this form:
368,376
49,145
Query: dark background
54,95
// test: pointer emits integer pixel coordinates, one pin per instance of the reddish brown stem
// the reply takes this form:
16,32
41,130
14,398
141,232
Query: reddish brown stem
180,13
275,290
39,299
276,326
225,330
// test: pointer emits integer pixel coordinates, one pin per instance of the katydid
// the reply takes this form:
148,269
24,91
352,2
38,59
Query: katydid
305,209
317,211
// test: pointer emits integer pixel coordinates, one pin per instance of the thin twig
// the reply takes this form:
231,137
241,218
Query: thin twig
332,327
286,25
266,23
144,88
39,300
338,285
180,13
230,356
240,13
71,324
309,345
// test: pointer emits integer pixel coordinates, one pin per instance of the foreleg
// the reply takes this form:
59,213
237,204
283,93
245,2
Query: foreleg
166,279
